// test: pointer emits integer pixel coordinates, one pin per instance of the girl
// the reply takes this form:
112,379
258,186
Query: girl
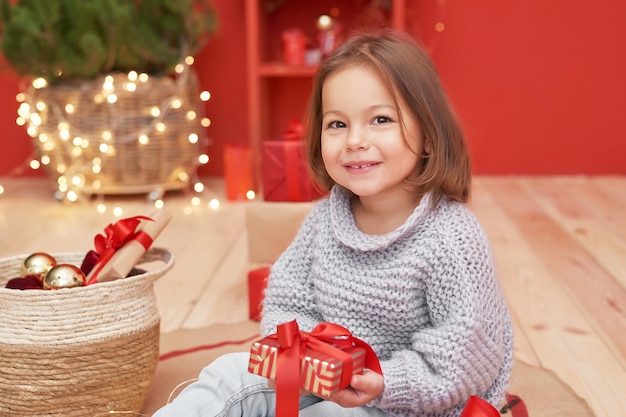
393,254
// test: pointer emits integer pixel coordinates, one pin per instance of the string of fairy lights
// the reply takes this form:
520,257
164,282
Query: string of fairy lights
77,149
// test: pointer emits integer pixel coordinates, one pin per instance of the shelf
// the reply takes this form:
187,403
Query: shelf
278,69
278,93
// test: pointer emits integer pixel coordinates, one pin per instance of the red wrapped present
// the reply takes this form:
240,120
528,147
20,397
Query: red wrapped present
257,282
322,361
237,172
285,173
123,244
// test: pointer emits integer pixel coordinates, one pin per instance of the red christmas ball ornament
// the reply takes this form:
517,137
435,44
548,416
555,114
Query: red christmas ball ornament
37,265
64,276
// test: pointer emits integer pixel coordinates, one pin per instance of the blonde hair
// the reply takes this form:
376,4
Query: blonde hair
412,78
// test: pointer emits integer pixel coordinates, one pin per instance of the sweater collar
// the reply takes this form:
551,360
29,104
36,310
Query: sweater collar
346,231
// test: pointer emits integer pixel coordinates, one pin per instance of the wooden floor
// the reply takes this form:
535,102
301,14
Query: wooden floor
559,244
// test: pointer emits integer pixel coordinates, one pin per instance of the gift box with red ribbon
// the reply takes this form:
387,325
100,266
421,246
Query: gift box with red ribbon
322,361
285,173
121,246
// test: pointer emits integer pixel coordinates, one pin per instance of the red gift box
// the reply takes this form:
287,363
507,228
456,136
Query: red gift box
257,282
322,361
237,172
285,173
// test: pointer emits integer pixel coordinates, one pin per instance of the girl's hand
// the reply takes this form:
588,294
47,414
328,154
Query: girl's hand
363,389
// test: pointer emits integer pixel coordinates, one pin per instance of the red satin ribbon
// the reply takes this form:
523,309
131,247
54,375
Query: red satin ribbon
293,158
117,235
326,338
477,407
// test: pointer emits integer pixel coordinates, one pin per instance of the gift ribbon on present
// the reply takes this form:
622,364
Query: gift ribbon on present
293,156
115,236
325,338
477,407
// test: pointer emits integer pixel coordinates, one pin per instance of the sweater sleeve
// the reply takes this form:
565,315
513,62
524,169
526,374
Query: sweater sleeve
467,342
289,294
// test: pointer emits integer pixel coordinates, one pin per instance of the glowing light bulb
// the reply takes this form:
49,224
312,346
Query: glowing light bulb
72,196
40,83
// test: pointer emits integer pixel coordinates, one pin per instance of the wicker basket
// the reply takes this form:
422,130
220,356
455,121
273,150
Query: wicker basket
79,352
106,137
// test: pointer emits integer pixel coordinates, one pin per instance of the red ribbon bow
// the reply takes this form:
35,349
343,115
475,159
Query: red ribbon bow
117,235
326,338
477,407
294,131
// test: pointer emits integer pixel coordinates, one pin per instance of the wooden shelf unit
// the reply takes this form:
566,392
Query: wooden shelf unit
277,93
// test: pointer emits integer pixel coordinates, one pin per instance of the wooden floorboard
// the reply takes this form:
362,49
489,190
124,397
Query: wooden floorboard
559,247
557,291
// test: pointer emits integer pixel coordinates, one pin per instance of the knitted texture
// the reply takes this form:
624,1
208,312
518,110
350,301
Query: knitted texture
424,296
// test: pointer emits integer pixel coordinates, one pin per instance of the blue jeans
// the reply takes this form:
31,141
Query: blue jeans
225,388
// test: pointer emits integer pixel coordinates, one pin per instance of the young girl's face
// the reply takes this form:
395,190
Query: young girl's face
363,147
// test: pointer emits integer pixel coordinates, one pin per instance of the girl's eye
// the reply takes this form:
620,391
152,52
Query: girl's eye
379,120
336,125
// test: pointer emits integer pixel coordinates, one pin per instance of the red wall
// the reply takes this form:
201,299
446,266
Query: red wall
540,85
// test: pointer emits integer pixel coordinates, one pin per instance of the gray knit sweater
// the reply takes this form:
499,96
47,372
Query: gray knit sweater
424,296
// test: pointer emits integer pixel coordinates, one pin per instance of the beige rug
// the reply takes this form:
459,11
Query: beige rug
185,353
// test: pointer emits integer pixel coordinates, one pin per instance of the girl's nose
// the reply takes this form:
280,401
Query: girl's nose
356,139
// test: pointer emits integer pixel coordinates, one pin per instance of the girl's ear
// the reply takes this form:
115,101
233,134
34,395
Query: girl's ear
427,147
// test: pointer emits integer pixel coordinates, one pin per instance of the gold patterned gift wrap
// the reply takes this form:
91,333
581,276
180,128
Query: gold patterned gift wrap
319,373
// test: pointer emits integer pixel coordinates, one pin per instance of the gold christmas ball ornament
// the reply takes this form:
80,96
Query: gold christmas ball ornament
37,265
64,276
